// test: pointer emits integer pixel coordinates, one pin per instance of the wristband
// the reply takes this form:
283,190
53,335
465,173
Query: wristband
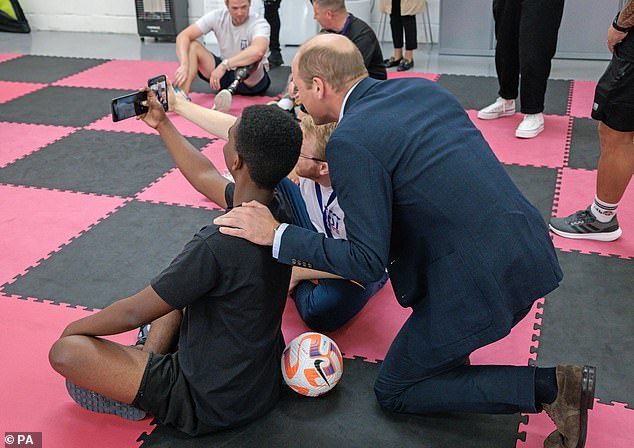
618,27
225,62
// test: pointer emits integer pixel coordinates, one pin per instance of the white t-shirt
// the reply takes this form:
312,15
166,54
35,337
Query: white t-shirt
323,208
233,39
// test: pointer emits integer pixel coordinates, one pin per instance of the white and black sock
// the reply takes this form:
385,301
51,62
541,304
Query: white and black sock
603,211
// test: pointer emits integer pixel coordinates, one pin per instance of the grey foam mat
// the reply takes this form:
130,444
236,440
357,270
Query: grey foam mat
61,106
589,319
584,144
114,259
537,184
476,92
44,69
105,162
349,416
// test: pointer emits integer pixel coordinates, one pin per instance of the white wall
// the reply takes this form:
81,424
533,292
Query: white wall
118,16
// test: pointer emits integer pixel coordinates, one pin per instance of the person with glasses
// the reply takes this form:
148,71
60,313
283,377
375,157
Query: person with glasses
332,301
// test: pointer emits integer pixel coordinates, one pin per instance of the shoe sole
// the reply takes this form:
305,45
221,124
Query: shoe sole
222,102
529,134
95,402
588,383
494,115
603,236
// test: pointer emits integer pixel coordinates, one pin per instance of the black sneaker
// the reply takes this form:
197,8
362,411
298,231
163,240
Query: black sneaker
583,225
142,334
95,402
275,58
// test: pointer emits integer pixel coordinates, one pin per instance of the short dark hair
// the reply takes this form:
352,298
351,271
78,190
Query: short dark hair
269,140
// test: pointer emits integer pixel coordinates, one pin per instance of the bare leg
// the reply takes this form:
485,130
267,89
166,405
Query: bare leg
200,59
409,55
163,333
398,53
616,163
105,367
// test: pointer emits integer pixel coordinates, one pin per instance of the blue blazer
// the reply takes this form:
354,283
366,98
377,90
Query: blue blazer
425,196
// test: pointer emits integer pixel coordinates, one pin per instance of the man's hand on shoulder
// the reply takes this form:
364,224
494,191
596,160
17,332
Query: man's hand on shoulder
252,222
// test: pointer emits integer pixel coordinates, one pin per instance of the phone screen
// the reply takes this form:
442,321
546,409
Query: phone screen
128,106
159,85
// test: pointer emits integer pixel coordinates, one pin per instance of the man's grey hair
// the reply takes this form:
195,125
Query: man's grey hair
335,5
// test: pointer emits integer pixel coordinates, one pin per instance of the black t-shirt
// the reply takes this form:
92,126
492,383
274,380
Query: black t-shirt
231,338
364,38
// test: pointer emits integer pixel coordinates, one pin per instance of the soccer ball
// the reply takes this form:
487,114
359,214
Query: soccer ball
312,364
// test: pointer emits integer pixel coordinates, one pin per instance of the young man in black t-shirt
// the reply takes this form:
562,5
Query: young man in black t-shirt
224,296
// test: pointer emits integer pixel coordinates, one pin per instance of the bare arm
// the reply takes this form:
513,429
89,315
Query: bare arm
625,20
197,169
123,315
183,40
250,55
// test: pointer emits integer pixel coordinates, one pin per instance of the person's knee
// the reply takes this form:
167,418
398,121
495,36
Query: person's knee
387,397
611,138
65,352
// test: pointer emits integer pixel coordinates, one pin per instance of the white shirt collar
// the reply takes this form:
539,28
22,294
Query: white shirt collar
345,100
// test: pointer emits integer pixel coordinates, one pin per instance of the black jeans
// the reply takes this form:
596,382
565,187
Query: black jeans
526,33
271,14
398,23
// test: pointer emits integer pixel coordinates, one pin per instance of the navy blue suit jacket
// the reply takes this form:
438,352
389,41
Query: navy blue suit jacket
424,195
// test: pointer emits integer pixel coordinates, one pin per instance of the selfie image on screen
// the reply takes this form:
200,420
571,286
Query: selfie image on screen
160,88
125,107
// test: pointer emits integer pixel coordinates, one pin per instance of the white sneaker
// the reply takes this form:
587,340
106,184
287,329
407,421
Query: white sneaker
222,102
501,108
531,126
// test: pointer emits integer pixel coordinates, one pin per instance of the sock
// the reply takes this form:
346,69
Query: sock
603,211
545,386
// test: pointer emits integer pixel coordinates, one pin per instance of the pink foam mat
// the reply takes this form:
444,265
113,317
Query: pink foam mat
576,192
33,395
174,189
548,149
238,102
11,90
36,222
8,56
20,139
582,98
370,333
397,75
119,74
609,426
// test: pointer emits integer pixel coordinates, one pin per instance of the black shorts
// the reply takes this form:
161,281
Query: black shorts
164,393
242,88
614,95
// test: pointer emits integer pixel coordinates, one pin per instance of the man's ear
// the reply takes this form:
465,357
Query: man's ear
237,163
323,169
320,87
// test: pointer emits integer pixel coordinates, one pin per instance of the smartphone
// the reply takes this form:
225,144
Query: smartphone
128,106
159,85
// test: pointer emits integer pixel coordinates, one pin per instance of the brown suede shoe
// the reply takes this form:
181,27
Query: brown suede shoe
569,411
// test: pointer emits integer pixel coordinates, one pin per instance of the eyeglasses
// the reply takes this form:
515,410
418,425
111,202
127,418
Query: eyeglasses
311,158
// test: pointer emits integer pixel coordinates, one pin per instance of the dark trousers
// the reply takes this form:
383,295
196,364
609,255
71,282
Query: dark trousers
398,24
271,14
526,33
408,384
329,304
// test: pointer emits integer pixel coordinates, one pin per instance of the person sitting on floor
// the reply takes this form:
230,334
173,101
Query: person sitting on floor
332,301
243,41
225,296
